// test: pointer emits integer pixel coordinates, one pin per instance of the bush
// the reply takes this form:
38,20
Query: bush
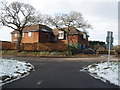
106,52
29,46
10,52
6,45
88,51
54,53
73,46
65,53
44,53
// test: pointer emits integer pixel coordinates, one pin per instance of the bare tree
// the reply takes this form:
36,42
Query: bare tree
70,21
16,16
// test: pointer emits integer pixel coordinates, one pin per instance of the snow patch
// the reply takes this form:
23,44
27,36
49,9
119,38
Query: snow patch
107,72
11,70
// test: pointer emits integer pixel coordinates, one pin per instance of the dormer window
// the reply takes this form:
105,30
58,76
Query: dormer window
84,36
29,34
61,35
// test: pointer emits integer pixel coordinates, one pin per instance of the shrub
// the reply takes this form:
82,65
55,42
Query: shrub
73,46
10,52
29,46
106,52
51,47
6,45
44,53
54,53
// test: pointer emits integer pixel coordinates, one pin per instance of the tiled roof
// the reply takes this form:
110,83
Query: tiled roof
34,28
73,31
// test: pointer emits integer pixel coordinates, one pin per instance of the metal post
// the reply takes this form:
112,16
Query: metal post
109,48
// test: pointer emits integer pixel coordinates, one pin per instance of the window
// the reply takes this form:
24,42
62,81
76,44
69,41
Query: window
81,47
15,35
29,34
23,35
45,30
84,36
55,39
84,46
61,35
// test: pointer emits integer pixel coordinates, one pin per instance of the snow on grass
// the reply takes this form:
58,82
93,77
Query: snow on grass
11,70
105,72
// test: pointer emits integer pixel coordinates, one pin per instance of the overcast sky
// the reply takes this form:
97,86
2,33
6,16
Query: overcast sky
101,14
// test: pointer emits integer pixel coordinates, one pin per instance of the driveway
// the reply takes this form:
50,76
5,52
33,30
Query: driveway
58,74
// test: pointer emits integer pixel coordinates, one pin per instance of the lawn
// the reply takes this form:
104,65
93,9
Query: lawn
45,54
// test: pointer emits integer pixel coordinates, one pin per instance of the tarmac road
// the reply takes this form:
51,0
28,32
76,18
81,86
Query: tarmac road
58,74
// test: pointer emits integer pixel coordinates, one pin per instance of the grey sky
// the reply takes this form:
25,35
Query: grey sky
101,14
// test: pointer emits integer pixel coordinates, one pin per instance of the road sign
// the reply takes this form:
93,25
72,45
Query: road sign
109,39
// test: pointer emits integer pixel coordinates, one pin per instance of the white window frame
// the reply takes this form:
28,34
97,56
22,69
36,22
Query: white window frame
61,35
23,35
15,35
84,36
29,34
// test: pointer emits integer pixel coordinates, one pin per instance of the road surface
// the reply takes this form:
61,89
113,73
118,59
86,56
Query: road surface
58,74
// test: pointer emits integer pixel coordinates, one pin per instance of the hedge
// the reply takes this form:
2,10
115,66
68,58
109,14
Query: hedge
8,46
44,47
36,46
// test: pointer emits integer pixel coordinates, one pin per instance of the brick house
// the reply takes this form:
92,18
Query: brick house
43,34
75,37
35,34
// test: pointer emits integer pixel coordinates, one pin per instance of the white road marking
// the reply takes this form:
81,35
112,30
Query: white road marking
39,82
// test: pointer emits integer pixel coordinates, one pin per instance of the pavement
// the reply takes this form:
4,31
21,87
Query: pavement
59,73
84,59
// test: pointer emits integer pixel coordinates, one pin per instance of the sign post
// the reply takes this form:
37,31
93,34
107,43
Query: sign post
109,40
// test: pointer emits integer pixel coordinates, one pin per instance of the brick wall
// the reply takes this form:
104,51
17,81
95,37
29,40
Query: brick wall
26,39
36,37
74,39
32,39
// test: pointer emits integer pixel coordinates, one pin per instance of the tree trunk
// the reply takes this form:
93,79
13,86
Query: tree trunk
19,41
68,43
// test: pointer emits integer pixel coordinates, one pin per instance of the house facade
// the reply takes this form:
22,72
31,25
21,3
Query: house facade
43,34
75,37
35,34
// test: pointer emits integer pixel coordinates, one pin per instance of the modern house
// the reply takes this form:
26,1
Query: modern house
35,34
75,37
43,34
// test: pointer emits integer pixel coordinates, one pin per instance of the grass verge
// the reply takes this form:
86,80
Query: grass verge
45,54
